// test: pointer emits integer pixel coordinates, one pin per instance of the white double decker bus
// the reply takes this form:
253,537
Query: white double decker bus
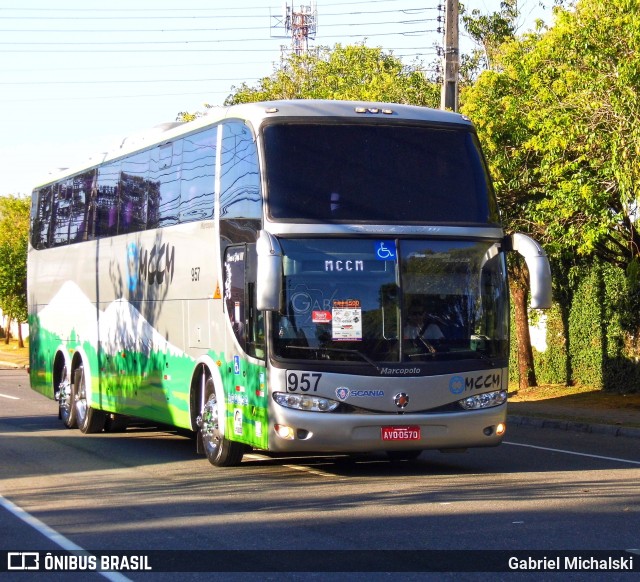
295,276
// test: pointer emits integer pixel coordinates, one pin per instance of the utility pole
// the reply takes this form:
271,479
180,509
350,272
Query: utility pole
449,99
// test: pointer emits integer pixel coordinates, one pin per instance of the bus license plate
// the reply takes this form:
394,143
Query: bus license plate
400,433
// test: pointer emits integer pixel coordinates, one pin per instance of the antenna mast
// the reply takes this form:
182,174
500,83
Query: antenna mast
300,25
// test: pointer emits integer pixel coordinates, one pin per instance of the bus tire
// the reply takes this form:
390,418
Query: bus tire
89,420
66,409
220,451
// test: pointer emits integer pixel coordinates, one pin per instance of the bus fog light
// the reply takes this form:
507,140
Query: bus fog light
485,400
305,402
285,432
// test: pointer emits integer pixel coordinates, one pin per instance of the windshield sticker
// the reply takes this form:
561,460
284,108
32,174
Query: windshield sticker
385,250
346,320
320,316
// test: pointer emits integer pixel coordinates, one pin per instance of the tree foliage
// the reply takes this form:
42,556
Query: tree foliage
489,32
494,102
586,74
354,72
568,129
558,117
14,234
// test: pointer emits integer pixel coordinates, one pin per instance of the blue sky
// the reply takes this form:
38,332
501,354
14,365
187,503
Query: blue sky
78,76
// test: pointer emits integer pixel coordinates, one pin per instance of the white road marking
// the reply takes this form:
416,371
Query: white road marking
306,469
54,536
9,397
302,468
574,453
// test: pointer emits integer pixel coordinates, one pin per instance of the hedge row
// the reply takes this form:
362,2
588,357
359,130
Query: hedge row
593,340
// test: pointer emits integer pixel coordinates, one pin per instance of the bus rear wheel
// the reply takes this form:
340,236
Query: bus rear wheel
66,409
220,451
89,419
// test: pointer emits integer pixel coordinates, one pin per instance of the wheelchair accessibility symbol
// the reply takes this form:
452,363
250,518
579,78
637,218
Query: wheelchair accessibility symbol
385,250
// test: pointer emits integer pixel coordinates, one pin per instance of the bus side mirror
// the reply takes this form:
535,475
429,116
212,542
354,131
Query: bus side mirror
539,268
269,276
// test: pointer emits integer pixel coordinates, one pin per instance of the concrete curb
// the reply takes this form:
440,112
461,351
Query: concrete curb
570,425
12,365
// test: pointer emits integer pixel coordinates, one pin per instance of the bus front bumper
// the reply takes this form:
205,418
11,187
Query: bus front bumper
297,431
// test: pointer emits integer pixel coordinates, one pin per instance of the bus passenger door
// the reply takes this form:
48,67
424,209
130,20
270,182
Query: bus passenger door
240,298
244,378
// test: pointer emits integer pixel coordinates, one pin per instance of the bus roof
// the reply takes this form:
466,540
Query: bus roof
256,113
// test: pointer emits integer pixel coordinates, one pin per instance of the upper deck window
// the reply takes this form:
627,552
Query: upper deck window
376,173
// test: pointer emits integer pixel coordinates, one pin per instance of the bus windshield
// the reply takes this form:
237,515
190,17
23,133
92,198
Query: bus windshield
376,173
384,301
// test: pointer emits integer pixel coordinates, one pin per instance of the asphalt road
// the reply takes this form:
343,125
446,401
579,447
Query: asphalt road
146,490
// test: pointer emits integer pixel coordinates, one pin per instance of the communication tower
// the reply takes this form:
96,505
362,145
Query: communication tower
301,25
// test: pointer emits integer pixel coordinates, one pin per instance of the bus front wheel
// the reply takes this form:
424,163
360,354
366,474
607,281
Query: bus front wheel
220,451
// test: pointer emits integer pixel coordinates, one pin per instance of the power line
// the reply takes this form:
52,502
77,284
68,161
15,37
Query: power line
119,18
156,9
244,29
111,82
225,29
103,97
157,47
189,42
121,67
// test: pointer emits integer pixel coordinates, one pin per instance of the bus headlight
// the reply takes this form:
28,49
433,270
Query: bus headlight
485,400
304,402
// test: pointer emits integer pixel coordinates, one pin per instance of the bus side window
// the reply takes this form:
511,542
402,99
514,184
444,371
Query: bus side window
42,219
198,176
61,212
240,190
107,203
133,193
164,175
79,228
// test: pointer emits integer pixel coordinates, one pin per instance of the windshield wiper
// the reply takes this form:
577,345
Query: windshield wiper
450,355
336,350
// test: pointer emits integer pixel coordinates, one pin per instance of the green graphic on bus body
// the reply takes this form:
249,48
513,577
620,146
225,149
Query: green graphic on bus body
154,385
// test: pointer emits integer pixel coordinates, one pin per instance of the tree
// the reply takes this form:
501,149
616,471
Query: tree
585,109
559,121
495,102
489,32
14,234
353,72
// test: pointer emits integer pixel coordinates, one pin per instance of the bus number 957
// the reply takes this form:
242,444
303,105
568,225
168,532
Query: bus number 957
303,381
